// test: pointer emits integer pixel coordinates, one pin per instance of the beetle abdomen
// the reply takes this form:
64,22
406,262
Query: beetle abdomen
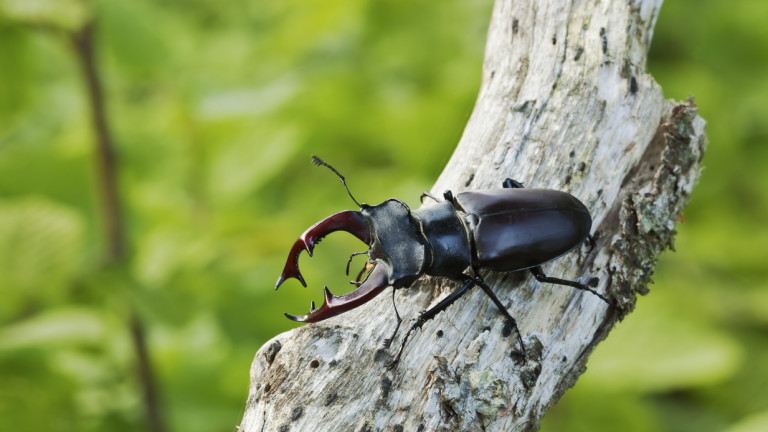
515,229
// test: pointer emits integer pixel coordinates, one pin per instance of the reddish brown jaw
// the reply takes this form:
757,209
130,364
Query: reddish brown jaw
350,221
354,223
332,306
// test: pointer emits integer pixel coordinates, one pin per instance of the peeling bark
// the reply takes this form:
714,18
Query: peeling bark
565,104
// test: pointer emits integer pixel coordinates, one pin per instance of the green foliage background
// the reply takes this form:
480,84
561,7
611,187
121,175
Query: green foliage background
215,109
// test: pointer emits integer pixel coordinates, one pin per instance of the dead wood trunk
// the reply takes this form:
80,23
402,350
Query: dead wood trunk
566,104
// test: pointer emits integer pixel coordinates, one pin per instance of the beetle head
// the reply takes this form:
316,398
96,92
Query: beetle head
395,248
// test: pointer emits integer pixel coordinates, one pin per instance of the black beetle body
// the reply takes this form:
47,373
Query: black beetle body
515,229
503,230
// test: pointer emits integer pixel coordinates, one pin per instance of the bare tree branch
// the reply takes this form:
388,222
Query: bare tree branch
565,104
83,42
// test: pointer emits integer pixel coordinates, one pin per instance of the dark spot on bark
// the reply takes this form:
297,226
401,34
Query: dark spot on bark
507,329
582,166
285,428
439,333
554,40
314,364
398,428
593,282
530,375
572,154
515,25
296,413
420,428
380,354
567,179
523,107
267,388
330,398
252,399
599,192
579,52
604,39
384,387
469,180
271,352
633,85
487,328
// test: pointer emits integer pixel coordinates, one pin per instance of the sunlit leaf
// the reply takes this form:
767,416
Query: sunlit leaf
754,423
58,327
655,351
60,14
40,249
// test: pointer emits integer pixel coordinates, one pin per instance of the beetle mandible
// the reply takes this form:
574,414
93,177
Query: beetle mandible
504,230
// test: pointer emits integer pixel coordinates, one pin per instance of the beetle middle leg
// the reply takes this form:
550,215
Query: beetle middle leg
481,283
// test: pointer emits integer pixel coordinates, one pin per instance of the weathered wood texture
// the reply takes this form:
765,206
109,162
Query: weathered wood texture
566,104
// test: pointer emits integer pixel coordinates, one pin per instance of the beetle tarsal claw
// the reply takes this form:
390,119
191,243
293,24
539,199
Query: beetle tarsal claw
350,221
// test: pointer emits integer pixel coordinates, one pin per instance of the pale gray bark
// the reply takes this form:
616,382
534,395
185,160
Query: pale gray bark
565,104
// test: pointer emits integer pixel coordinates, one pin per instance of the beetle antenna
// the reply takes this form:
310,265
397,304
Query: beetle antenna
317,161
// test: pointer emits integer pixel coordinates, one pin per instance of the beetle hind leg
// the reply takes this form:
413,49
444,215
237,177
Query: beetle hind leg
538,273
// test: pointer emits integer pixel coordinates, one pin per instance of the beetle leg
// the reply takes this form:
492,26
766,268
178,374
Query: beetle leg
388,341
428,195
354,254
350,221
429,314
538,273
512,184
479,281
592,240
333,305
469,282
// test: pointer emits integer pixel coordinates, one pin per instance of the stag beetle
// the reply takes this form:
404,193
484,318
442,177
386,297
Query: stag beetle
503,230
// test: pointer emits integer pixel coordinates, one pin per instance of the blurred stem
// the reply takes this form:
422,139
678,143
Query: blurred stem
114,229
105,153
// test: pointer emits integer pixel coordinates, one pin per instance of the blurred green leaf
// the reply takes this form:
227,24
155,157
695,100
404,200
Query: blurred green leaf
63,326
41,246
215,111
754,423
666,354
58,14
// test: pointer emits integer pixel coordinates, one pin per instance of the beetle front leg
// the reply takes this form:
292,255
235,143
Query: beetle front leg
429,314
388,341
